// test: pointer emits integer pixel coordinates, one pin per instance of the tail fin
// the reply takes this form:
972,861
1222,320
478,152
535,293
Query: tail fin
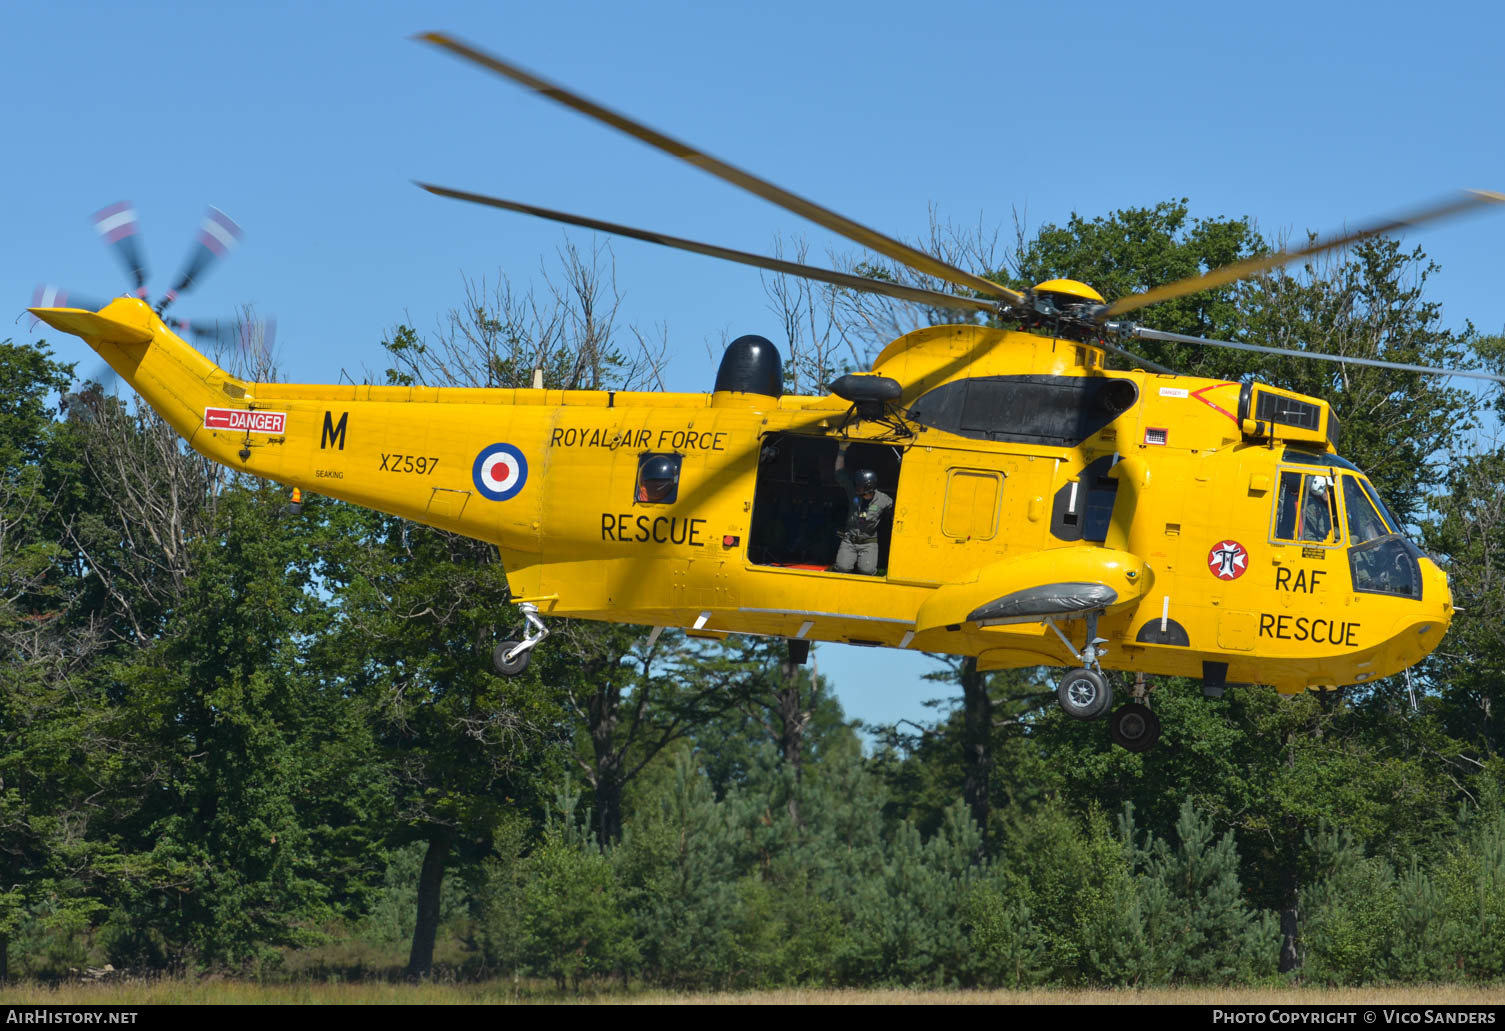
172,377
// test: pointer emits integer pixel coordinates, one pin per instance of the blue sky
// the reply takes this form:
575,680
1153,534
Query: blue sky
306,122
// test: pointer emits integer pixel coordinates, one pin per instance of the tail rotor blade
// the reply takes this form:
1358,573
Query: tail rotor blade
249,337
212,331
218,233
106,377
46,295
119,227
260,336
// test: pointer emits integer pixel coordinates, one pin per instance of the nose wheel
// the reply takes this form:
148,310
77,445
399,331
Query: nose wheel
512,657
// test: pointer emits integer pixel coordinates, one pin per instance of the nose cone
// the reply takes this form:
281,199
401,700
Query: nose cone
1430,626
1436,594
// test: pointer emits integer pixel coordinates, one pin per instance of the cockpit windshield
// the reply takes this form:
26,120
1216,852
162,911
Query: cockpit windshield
1364,520
1379,503
1380,559
1366,515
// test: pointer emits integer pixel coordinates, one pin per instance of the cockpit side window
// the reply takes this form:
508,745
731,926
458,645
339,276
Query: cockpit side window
1306,509
1364,522
1287,507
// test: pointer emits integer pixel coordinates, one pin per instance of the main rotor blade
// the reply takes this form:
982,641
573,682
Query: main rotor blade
933,298
1145,362
1254,266
861,234
1181,338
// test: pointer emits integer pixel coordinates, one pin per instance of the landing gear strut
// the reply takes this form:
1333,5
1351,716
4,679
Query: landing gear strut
511,657
1084,694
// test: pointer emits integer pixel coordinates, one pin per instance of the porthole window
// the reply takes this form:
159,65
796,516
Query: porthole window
658,478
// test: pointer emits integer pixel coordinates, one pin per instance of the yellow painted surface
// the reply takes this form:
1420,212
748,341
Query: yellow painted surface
972,517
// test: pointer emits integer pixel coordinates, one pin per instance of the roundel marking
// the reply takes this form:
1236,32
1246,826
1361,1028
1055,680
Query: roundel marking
500,472
1228,560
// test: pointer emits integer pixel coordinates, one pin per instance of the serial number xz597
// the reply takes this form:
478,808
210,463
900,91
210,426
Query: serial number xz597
420,464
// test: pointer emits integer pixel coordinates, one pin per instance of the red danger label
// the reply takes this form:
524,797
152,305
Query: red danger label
240,420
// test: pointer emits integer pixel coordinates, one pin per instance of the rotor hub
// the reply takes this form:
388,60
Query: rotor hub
1071,291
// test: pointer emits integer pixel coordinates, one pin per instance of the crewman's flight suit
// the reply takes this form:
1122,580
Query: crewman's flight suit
859,542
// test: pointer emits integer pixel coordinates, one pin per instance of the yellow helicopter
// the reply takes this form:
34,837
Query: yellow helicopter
984,492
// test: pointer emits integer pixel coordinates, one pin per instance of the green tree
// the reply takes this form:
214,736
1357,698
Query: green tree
250,791
572,914
1195,923
1134,249
43,736
980,750
1075,878
681,864
461,746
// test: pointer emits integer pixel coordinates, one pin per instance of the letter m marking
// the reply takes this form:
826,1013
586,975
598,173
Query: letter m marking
333,432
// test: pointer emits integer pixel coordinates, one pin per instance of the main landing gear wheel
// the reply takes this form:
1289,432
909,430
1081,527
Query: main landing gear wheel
1084,694
1135,727
510,667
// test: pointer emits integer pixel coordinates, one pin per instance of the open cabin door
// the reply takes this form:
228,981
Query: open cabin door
800,504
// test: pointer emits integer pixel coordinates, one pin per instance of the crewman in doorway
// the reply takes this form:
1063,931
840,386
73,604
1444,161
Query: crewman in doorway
867,507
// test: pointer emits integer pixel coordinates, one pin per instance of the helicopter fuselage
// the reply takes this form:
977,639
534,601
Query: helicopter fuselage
1210,527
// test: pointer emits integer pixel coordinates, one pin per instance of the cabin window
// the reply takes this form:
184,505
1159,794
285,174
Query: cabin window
658,478
801,505
1306,509
1381,560
1082,508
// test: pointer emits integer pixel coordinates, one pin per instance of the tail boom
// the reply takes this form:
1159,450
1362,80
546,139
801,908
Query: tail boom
378,447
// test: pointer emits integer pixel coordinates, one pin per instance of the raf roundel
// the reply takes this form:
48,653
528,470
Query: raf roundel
500,472
1228,560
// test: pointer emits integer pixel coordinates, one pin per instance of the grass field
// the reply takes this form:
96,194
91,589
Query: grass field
211,992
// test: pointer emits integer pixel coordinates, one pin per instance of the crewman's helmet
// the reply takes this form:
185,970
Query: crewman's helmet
657,478
865,480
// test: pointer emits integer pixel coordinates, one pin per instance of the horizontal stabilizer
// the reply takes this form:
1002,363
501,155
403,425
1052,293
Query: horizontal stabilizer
93,326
